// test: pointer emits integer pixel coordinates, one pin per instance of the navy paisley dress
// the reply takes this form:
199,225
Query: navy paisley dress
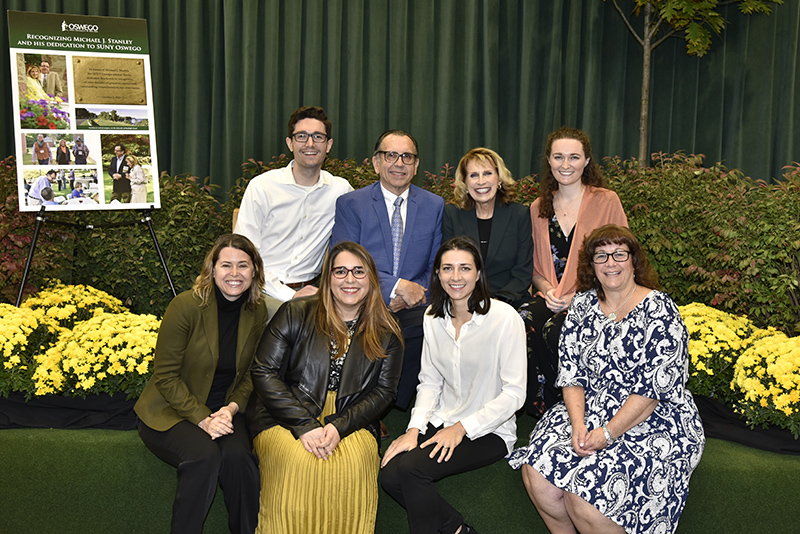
640,481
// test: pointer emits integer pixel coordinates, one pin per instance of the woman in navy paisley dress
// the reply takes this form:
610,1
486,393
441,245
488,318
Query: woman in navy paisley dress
616,455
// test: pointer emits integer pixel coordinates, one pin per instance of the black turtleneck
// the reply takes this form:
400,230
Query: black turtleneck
228,324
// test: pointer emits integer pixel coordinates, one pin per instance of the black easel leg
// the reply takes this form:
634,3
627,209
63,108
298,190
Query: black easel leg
149,222
40,218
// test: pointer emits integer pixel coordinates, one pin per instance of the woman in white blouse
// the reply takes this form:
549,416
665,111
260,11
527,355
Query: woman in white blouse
471,382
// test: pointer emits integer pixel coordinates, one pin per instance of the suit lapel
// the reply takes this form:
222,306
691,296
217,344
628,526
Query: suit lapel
211,328
500,221
247,320
470,222
382,215
411,219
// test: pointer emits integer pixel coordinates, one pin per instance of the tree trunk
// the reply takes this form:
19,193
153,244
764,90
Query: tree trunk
644,110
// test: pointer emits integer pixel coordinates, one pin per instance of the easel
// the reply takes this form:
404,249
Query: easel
41,218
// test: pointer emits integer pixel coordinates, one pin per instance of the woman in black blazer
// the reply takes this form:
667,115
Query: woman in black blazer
484,209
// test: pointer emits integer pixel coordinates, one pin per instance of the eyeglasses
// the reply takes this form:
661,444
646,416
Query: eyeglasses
391,157
317,137
619,256
341,272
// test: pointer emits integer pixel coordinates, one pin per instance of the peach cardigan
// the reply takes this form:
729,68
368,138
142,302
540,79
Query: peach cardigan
598,207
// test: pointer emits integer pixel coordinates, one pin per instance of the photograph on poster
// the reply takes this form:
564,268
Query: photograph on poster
57,148
60,186
126,162
109,118
42,86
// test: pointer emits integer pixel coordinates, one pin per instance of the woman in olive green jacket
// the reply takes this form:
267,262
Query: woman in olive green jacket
189,412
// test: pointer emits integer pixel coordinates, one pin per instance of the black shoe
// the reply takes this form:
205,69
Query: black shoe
466,529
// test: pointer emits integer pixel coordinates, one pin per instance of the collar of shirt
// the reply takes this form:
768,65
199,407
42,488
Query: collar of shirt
287,178
390,197
447,322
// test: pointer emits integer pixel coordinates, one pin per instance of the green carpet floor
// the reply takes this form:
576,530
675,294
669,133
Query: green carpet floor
105,481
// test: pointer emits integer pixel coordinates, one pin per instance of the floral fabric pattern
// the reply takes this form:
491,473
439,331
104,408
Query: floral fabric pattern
559,245
641,480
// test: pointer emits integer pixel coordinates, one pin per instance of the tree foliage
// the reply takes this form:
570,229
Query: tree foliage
695,20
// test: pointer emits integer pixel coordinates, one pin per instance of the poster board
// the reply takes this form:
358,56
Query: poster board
71,122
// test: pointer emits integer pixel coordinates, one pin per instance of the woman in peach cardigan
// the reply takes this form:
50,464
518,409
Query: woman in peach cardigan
571,204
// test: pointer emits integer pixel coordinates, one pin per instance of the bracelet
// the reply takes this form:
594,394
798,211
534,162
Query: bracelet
608,435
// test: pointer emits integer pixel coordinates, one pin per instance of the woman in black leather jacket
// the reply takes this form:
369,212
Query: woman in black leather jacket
326,369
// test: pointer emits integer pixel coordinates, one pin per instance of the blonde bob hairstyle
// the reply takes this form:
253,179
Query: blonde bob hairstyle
374,318
204,283
506,189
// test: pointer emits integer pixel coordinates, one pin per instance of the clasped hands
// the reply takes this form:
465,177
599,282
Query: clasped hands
555,304
220,423
408,294
445,441
587,443
322,441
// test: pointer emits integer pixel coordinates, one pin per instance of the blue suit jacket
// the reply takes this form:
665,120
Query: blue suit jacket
361,216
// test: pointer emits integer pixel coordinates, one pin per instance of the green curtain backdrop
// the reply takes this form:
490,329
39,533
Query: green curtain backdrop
455,73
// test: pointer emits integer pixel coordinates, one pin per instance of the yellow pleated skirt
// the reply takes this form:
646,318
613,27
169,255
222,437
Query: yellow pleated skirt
301,494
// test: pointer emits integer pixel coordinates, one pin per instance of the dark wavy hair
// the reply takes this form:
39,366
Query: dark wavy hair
548,185
204,283
507,186
643,272
374,318
479,301
310,112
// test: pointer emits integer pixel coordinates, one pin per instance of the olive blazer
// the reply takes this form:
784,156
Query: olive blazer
186,357
509,261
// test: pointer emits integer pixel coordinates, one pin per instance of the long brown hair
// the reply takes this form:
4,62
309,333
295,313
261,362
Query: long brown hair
507,187
643,272
374,319
548,186
204,283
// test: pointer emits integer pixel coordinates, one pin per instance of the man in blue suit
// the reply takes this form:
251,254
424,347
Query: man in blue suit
400,225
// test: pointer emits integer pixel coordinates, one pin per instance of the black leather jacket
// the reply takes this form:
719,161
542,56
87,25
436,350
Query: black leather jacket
291,371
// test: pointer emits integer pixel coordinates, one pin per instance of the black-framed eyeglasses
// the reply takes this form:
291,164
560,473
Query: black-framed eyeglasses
317,137
390,157
341,272
619,256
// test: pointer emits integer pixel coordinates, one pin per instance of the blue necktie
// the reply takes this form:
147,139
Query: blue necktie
397,235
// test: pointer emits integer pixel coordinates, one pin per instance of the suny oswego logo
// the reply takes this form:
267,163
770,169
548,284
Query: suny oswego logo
83,28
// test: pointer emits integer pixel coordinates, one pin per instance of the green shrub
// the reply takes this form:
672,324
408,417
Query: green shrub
53,249
716,236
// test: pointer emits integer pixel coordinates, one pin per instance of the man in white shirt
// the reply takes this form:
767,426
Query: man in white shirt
288,213
35,193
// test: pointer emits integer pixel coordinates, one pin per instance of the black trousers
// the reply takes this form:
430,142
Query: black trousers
202,463
543,329
411,323
410,478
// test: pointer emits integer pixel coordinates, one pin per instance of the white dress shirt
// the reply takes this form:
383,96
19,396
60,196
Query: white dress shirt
290,225
478,379
389,198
